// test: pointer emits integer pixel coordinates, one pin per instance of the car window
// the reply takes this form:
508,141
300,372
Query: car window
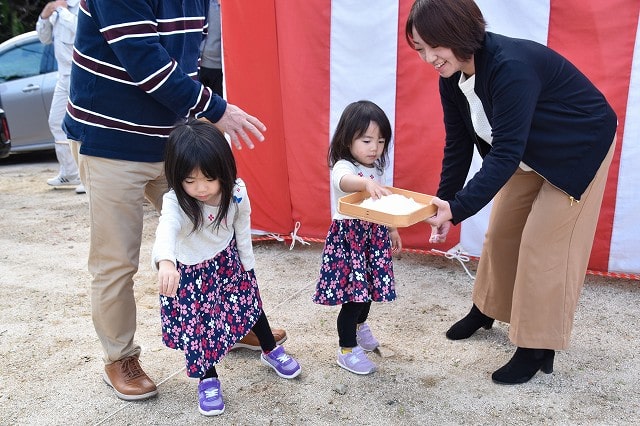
48,61
26,60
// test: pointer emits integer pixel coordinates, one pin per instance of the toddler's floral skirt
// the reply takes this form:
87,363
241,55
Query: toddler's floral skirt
217,303
356,264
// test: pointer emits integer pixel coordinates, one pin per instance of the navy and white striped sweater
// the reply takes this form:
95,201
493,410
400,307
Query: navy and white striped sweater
134,76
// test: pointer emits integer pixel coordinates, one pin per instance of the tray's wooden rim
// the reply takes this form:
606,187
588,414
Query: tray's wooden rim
347,207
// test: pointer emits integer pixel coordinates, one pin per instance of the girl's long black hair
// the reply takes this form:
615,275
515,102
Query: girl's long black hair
200,145
353,123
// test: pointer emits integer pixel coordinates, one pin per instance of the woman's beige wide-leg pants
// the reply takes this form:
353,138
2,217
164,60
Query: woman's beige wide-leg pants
535,255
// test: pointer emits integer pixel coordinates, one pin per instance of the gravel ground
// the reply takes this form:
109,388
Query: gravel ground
51,360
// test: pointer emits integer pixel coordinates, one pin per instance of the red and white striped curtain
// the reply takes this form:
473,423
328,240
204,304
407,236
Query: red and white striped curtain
297,64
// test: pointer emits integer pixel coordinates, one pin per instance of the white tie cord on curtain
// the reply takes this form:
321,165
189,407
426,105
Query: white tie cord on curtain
457,254
294,237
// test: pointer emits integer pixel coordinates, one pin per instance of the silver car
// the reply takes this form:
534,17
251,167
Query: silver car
28,73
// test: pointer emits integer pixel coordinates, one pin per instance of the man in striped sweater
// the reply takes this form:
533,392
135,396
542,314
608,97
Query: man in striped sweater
133,78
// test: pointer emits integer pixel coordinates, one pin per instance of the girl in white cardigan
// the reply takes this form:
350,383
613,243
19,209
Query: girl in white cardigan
209,297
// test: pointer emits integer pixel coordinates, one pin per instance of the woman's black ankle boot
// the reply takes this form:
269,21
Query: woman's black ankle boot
468,325
524,365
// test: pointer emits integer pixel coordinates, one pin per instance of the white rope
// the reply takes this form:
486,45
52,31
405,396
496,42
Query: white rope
276,237
457,255
294,237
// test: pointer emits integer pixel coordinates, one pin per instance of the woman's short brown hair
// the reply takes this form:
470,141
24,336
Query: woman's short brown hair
454,24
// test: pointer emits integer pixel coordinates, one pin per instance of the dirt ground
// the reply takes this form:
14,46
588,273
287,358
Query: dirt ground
51,366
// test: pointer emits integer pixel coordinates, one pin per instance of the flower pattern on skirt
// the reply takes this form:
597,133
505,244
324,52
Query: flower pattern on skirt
356,264
217,304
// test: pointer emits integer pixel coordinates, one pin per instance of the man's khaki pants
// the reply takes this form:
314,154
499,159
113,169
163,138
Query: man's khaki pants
117,190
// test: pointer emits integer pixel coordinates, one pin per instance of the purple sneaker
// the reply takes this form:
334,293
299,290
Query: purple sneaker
284,366
210,397
365,338
356,361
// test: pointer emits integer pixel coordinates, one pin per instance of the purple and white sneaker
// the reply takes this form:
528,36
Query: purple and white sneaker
365,338
356,361
210,401
284,366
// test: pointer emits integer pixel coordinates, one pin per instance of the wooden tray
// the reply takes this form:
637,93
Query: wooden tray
349,206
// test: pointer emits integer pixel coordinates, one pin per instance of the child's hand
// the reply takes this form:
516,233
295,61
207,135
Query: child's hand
353,183
396,241
375,189
168,278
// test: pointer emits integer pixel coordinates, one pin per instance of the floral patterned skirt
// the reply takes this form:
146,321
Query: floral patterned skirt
217,303
356,264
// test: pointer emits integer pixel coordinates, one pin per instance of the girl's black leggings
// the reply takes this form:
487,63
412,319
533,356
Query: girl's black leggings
351,314
263,332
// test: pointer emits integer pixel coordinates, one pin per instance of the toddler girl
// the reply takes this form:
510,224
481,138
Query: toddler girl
209,296
356,261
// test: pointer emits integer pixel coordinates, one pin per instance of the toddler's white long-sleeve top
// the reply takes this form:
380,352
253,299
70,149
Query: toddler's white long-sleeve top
345,167
175,241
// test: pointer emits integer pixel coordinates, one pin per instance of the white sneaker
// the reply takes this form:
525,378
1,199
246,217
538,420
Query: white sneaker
64,181
80,189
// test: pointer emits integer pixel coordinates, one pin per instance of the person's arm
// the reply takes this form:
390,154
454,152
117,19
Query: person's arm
163,255
169,225
131,29
456,161
345,178
67,19
44,28
355,183
396,241
242,225
459,143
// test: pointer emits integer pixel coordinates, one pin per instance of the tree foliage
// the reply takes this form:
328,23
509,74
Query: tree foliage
17,17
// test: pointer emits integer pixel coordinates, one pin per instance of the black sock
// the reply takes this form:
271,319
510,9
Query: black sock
210,373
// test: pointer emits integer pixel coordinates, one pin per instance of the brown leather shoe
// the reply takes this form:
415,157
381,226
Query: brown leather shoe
128,380
250,341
